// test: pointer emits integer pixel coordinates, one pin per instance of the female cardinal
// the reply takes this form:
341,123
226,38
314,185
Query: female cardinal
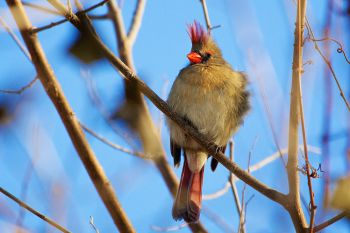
212,97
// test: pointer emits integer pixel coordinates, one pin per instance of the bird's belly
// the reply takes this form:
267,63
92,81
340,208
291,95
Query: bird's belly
208,112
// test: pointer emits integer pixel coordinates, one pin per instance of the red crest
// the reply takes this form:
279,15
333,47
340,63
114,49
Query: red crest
197,33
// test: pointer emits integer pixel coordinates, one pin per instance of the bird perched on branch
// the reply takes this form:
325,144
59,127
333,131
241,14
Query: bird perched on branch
212,97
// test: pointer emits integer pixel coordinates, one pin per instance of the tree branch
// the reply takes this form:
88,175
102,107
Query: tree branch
206,15
136,21
22,89
311,33
53,24
15,38
70,121
37,213
162,105
294,208
331,221
114,146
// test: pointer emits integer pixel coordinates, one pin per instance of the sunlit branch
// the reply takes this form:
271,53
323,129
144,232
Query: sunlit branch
113,145
35,212
53,24
40,8
136,21
15,38
294,204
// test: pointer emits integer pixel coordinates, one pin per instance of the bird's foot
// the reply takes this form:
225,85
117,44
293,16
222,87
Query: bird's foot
214,147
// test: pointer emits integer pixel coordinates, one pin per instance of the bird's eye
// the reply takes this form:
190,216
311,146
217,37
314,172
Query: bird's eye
206,57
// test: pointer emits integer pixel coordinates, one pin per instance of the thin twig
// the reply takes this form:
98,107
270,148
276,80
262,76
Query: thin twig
233,183
331,221
91,221
277,154
206,15
22,89
311,33
113,145
169,228
71,123
307,163
136,21
242,214
53,24
339,49
40,8
16,39
37,213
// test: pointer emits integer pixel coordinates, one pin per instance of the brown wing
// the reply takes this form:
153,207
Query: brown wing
175,152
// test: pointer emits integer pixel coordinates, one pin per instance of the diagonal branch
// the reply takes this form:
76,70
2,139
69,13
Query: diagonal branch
311,33
53,24
54,91
331,221
163,106
22,89
37,213
15,38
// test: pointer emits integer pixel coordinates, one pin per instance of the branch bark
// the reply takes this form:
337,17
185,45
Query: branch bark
331,221
294,207
32,210
70,121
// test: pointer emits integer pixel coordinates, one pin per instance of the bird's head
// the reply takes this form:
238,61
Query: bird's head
204,49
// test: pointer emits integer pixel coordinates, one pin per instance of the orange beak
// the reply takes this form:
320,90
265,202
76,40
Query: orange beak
194,57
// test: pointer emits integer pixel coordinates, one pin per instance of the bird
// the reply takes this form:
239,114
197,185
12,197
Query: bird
211,97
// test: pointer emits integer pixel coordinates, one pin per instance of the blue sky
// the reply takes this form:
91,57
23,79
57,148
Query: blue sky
255,36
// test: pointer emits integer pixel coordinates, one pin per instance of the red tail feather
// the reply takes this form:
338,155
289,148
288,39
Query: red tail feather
188,200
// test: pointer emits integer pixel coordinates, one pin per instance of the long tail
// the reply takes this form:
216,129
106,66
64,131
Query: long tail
188,200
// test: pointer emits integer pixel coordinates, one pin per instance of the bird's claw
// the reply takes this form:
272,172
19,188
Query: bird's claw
214,147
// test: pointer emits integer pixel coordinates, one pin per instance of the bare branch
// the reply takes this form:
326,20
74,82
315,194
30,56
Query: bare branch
136,21
40,8
22,89
331,221
53,24
311,33
294,208
91,221
113,145
206,15
37,213
339,49
54,91
307,164
277,154
170,228
233,183
15,38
